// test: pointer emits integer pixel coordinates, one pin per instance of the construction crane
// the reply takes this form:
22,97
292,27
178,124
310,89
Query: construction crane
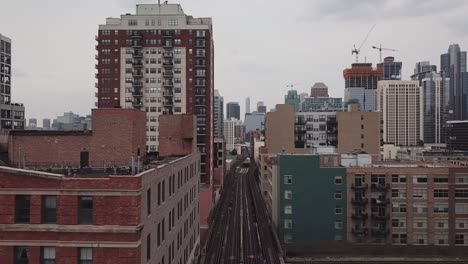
380,50
358,50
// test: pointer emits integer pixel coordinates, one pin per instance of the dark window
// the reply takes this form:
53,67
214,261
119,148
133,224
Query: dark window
159,193
148,201
159,234
47,255
163,190
148,247
49,209
85,210
22,207
21,255
85,256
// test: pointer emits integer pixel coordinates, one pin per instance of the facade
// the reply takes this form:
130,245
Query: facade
113,129
366,98
453,66
292,98
12,114
314,129
151,217
408,204
46,124
322,104
247,105
279,129
219,163
362,75
319,89
160,60
231,126
233,110
218,114
421,69
391,69
310,199
400,104
254,121
435,107
358,131
457,135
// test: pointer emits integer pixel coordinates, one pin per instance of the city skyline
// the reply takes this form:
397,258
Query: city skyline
238,74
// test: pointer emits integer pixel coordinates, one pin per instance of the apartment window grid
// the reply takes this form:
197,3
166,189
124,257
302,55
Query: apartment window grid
48,255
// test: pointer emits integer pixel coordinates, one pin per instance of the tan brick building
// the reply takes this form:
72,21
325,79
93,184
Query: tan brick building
358,131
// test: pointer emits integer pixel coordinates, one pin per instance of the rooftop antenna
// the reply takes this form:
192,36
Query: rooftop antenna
358,50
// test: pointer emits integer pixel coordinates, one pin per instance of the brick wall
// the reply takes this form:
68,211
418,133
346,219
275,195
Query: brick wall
117,135
177,135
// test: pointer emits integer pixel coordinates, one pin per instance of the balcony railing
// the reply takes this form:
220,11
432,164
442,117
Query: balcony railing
168,94
359,216
137,74
380,187
168,84
380,217
200,84
380,232
168,54
360,231
137,65
359,187
200,54
137,55
360,202
168,34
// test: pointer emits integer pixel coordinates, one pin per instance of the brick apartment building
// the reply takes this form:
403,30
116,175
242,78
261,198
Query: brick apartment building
408,204
100,217
159,60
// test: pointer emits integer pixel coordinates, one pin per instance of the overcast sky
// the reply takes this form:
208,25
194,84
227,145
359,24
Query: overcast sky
260,45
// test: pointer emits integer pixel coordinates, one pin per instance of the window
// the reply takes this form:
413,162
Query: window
420,239
148,201
159,193
338,224
419,193
85,256
419,208
338,180
441,239
441,208
338,210
172,22
288,194
85,210
287,223
440,193
49,209
399,208
440,179
399,223
399,238
338,195
461,239
461,193
461,223
22,207
420,223
420,179
288,209
461,208
440,224
47,255
148,247
461,179
21,255
287,179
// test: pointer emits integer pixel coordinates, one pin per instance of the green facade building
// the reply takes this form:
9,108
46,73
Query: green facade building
309,199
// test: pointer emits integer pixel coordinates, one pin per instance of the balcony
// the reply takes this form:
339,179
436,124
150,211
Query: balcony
96,66
200,65
359,187
137,74
137,94
137,104
168,64
300,122
137,55
167,112
168,45
96,94
168,103
168,94
96,57
96,75
380,232
168,74
168,54
96,85
360,202
168,34
168,84
380,201
137,84
200,75
97,47
96,38
200,84
137,35
375,187
200,55
360,231
359,216
300,130
200,44
379,217
137,45
137,65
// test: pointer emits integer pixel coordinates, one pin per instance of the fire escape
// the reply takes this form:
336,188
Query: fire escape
168,73
359,216
137,72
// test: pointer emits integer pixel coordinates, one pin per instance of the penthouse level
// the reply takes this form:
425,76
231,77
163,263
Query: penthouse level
151,217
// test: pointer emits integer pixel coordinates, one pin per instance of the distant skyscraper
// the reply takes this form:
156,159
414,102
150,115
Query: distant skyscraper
32,123
292,98
322,104
233,110
247,105
12,116
261,107
46,124
453,66
361,84
391,69
400,104
254,121
302,97
218,114
232,131
436,94
319,89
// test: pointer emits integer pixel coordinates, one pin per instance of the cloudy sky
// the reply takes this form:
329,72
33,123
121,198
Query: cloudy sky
261,46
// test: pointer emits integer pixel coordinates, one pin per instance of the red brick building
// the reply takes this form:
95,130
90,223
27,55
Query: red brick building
97,216
117,135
